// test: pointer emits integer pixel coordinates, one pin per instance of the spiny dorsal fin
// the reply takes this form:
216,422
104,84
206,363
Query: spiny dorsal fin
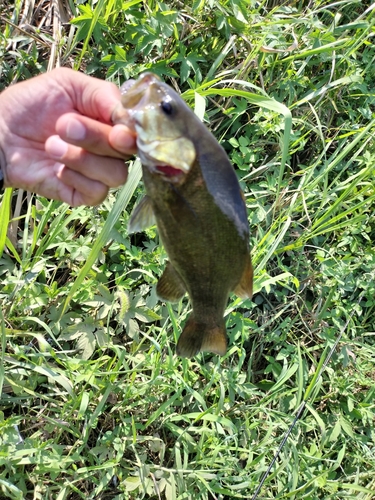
142,216
170,286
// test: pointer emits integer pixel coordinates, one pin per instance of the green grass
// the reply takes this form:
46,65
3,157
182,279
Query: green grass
94,402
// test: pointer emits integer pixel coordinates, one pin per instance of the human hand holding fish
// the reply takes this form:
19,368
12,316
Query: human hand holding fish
193,195
56,134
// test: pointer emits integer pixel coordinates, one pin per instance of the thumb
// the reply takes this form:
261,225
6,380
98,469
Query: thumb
91,96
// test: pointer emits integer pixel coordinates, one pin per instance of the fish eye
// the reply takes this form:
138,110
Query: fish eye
167,107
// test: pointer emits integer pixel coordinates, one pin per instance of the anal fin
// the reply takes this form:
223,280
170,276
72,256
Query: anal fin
170,286
198,337
244,289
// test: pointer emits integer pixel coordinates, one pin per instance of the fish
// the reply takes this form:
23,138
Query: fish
194,197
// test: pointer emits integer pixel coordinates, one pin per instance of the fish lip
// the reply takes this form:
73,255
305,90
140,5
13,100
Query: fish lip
126,116
131,117
134,96
135,93
137,115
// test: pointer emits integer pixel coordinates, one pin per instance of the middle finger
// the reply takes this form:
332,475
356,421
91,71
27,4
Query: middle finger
110,171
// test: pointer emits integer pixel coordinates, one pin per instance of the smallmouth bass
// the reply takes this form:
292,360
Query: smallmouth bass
193,195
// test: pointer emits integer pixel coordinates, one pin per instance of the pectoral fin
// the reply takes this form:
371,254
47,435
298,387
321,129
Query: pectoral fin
244,289
198,337
142,216
170,286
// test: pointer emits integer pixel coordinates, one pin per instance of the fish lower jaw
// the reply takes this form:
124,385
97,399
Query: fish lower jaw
171,158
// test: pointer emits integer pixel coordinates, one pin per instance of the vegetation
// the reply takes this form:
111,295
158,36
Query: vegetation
95,404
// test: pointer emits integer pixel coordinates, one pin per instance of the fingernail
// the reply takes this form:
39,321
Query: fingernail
56,147
75,130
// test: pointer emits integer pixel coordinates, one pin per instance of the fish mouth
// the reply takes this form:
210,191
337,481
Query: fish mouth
135,95
134,91
169,171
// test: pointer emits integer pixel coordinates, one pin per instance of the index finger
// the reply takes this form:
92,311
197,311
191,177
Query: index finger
96,137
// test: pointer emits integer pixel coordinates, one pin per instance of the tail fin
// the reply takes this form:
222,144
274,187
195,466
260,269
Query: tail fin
198,337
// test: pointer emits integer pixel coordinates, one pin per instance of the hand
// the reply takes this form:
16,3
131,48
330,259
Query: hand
56,137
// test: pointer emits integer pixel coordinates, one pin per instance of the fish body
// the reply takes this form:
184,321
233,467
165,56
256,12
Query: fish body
194,196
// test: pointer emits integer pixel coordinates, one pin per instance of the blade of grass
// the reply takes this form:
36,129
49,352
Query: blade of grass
5,207
3,347
124,196
98,11
346,80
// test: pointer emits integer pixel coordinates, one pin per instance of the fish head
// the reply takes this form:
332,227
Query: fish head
158,116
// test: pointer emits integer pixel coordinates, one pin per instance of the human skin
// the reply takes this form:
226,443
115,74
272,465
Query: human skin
57,139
